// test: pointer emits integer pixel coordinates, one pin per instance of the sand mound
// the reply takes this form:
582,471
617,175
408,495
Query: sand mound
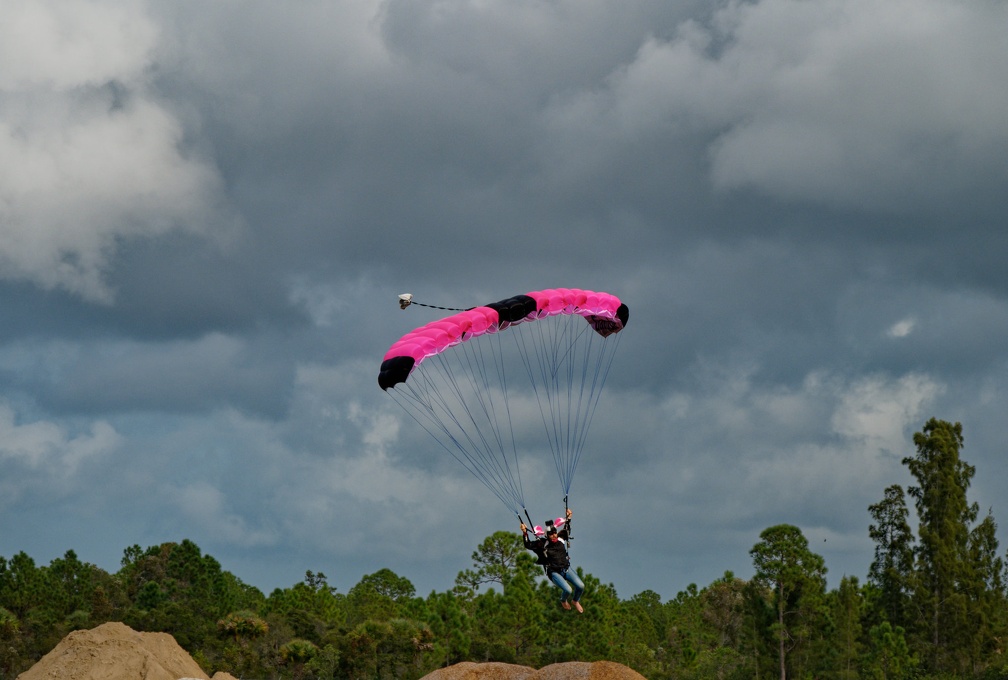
114,651
572,670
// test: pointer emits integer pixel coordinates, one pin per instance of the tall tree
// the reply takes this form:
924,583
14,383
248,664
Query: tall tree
845,613
986,593
451,627
943,563
797,577
22,584
724,609
380,596
495,561
310,608
892,569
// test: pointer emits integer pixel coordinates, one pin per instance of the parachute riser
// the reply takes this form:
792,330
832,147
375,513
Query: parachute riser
570,532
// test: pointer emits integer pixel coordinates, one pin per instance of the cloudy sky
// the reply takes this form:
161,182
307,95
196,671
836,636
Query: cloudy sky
207,210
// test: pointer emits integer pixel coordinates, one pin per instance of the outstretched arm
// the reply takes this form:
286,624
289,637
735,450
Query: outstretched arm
567,526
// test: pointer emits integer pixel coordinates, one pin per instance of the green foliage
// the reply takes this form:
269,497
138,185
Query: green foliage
450,620
242,626
388,649
310,609
380,596
496,561
942,556
889,658
298,651
892,569
324,665
796,577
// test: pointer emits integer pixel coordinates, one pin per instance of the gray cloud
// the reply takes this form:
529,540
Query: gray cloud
91,155
213,209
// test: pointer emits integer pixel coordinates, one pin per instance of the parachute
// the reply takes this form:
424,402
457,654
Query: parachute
469,383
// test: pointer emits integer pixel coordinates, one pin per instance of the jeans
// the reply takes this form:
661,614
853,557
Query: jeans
564,580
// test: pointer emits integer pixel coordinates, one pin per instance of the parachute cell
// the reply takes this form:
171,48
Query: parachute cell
464,380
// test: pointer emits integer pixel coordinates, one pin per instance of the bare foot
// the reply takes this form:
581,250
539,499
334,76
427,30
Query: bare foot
565,604
580,609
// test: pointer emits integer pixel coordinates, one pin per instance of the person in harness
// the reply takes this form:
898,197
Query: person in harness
550,548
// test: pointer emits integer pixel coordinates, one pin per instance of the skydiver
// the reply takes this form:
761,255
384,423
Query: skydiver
551,552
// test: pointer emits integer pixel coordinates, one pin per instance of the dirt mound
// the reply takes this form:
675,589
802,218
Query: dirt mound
467,670
582,670
572,670
114,651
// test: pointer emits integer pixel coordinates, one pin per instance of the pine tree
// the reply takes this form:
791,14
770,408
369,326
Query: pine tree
845,612
942,556
986,593
892,569
797,577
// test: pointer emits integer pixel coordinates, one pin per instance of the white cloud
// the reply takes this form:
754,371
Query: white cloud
901,328
792,446
90,154
46,445
64,44
875,411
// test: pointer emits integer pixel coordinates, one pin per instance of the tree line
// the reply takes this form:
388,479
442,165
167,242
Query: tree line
933,605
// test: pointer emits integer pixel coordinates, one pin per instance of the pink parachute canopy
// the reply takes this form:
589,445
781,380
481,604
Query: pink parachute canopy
603,311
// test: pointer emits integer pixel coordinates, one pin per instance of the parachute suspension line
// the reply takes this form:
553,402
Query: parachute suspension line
546,337
493,457
574,384
499,365
567,372
600,374
424,408
540,386
582,418
446,402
